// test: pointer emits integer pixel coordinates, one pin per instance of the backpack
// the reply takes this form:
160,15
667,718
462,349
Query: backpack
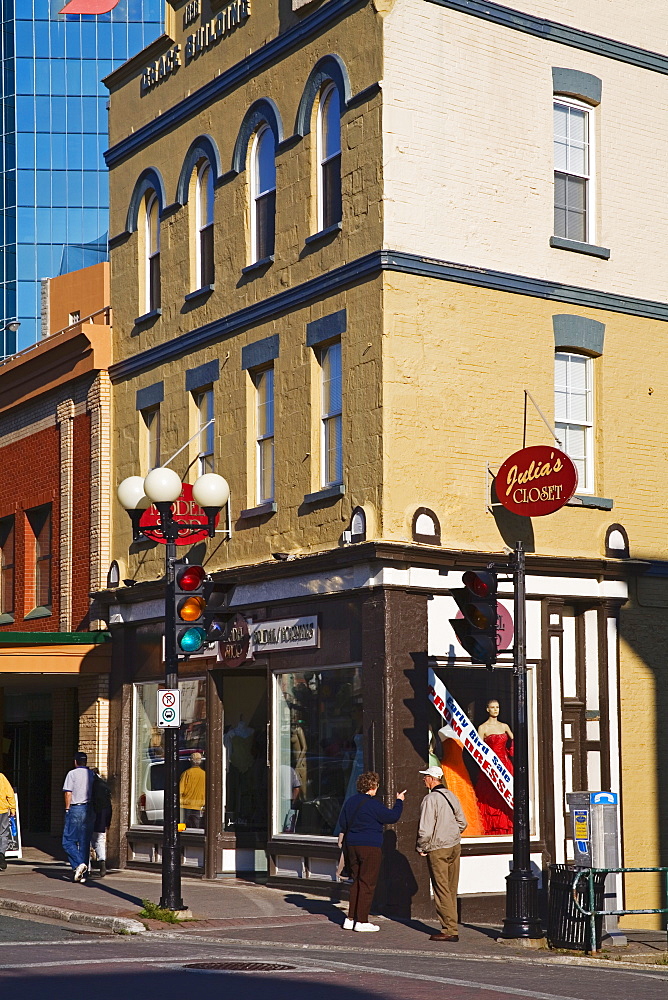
101,796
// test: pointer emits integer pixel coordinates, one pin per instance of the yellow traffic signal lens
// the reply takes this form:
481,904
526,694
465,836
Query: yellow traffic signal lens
478,617
192,608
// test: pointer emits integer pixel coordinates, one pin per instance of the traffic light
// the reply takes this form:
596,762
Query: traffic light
476,631
218,614
191,585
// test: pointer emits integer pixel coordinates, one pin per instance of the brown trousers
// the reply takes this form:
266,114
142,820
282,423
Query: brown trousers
364,863
444,872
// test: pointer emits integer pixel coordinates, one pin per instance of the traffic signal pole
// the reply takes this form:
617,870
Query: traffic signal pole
171,898
522,920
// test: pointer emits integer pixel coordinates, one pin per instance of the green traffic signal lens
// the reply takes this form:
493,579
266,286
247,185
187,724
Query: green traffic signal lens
191,640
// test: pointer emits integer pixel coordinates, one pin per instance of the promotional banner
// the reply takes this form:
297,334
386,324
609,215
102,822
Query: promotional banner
464,729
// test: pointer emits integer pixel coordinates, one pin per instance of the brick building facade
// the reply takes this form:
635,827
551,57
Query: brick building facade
54,455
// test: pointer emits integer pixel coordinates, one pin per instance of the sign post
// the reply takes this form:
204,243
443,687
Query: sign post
533,482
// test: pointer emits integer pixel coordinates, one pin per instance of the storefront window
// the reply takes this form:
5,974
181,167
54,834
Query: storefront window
149,758
485,701
320,748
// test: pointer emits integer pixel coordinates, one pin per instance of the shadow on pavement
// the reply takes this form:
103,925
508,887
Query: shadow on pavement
59,875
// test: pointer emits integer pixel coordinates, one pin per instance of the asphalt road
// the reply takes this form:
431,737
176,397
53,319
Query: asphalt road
47,960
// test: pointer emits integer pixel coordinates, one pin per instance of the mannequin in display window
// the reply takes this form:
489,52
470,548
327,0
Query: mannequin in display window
496,815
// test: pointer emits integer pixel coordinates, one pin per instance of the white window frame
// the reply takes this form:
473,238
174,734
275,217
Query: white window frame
322,159
201,223
590,175
204,402
151,203
261,439
588,425
255,192
152,436
329,419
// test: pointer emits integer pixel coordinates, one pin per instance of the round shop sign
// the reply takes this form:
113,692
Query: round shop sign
536,481
186,511
233,646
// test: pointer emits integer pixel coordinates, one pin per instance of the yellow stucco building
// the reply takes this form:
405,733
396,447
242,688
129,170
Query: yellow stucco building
354,235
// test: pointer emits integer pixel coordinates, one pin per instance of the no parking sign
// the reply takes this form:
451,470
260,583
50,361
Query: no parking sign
169,709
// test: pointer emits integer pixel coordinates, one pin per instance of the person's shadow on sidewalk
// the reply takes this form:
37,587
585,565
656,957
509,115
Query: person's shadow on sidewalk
59,876
321,907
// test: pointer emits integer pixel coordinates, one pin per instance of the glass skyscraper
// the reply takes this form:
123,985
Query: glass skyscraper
54,193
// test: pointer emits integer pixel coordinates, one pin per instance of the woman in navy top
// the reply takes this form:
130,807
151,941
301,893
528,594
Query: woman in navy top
361,822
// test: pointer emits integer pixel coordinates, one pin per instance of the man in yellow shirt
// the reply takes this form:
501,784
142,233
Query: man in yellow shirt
192,787
7,809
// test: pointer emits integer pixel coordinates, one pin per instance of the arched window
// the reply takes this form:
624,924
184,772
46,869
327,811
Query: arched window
329,158
204,268
152,253
263,194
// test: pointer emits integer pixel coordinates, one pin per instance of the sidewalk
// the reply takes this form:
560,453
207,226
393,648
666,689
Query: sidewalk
236,910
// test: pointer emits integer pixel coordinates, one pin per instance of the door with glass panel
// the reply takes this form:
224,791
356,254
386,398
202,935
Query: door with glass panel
245,788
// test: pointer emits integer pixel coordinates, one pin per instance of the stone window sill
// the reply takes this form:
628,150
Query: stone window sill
587,248
38,613
326,494
598,503
148,317
264,508
199,293
324,233
6,619
258,265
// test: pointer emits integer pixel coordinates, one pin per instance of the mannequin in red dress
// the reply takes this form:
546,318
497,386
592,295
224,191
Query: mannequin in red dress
496,815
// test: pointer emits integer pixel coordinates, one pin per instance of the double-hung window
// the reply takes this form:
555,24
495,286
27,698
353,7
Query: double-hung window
204,404
40,522
204,225
264,429
263,194
7,567
573,216
152,249
151,420
573,413
329,158
331,415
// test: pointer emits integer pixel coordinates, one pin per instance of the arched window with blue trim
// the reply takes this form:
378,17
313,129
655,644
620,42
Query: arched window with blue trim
329,157
151,283
263,193
204,266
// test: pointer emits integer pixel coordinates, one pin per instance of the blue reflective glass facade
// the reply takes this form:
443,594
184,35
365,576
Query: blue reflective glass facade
54,196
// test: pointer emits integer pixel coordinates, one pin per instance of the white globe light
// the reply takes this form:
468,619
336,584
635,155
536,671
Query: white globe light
162,485
211,490
130,492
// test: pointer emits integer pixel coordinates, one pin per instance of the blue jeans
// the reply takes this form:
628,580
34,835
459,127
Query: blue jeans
76,835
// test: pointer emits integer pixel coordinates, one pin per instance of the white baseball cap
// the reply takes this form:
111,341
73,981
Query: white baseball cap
433,772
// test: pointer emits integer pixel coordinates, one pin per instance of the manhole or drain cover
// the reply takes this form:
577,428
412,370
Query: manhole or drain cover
240,966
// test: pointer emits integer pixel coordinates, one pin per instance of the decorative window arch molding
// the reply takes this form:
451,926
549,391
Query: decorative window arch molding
149,180
203,148
578,333
260,112
332,69
575,83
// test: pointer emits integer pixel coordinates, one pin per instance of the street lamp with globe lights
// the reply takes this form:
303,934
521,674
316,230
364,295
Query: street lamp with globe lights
162,487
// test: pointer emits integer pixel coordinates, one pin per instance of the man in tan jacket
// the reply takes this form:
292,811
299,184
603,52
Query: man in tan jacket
7,809
440,828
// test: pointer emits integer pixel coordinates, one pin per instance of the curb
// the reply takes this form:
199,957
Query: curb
75,916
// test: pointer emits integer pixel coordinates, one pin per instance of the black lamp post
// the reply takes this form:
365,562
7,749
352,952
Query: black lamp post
163,487
522,919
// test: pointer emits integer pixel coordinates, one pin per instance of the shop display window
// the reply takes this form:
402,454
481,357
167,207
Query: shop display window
486,700
149,757
319,748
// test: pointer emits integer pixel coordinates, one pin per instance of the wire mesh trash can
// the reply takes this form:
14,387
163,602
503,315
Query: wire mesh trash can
567,927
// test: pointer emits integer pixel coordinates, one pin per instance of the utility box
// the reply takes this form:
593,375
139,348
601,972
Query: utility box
595,834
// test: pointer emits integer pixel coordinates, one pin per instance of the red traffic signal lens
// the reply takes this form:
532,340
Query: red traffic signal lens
190,577
191,608
481,584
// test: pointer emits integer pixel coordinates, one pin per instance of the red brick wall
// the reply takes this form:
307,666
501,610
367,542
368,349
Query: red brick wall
30,477
81,487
